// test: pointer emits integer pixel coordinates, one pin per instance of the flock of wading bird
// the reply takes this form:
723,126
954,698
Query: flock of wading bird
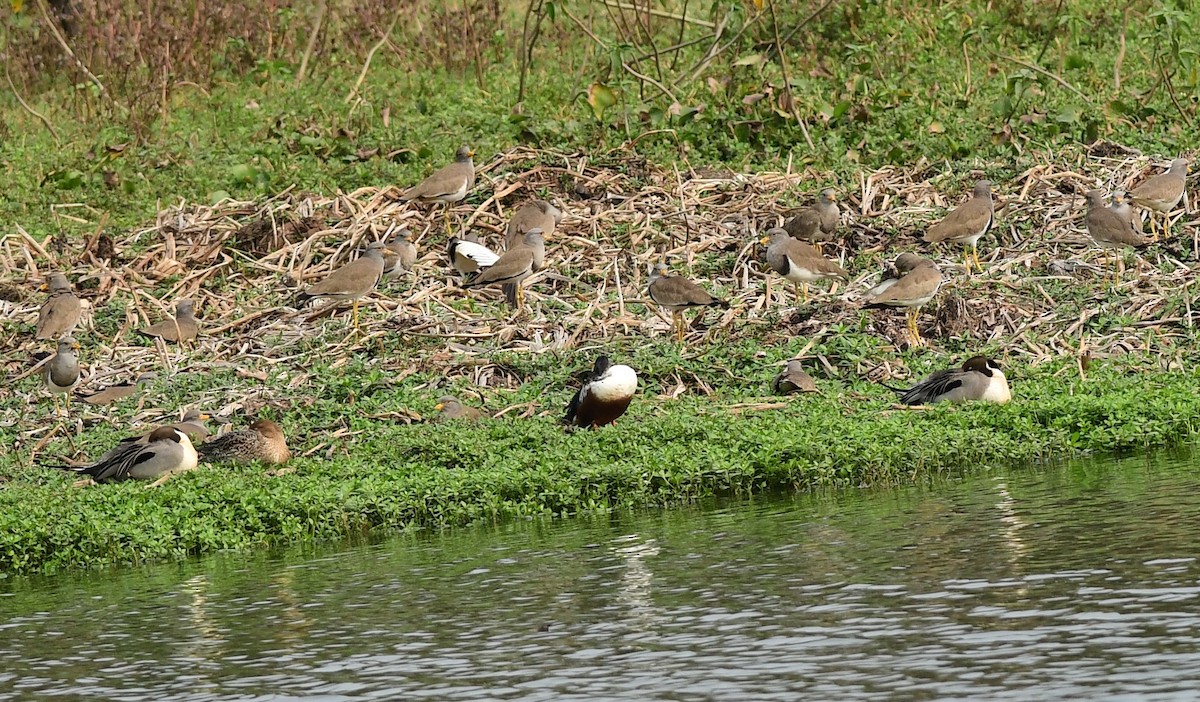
792,251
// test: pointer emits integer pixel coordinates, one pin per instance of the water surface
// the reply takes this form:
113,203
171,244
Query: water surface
1070,582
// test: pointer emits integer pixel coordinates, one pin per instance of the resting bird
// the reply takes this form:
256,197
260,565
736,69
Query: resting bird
979,378
676,294
817,223
183,327
449,407
119,391
263,442
793,379
604,397
155,456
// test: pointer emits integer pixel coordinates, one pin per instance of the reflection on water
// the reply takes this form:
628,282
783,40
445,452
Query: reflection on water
1074,582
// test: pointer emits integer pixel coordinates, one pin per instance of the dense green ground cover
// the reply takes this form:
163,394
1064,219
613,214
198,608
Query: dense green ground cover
1000,85
390,475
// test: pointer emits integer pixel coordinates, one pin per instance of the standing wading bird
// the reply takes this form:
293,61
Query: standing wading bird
1112,228
351,281
263,442
915,284
448,184
155,456
61,373
399,255
793,379
817,223
60,313
967,223
1120,203
1162,193
676,294
182,328
535,214
979,378
469,257
798,262
517,264
604,397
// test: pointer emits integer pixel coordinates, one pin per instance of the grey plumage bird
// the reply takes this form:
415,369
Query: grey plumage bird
116,392
1162,193
155,456
448,184
399,255
535,214
449,407
181,328
793,379
61,373
797,261
350,282
676,294
967,223
818,223
517,264
916,282
979,378
1112,228
60,313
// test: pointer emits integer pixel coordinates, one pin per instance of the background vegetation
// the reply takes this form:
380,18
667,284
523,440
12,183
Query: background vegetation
158,101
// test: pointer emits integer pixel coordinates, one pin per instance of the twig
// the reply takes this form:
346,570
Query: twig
660,13
312,43
1162,71
586,31
1048,74
371,55
815,13
45,122
528,38
651,81
62,42
787,85
1120,52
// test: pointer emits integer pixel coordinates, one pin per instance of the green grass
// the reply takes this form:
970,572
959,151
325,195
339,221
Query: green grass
386,475
876,84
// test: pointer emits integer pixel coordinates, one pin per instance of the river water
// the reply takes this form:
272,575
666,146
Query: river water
1077,581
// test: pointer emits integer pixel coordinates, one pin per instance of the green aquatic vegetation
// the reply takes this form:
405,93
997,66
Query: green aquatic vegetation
389,475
